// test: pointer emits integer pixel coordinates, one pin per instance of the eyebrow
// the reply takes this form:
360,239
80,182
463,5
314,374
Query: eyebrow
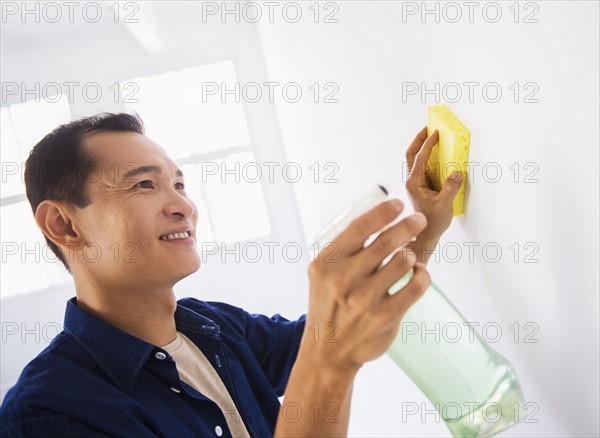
147,169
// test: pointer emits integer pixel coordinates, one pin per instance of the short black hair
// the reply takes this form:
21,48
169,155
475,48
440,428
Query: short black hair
58,166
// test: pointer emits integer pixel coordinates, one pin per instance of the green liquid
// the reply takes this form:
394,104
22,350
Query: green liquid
473,388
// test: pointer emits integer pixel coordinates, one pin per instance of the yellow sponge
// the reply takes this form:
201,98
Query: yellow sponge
452,152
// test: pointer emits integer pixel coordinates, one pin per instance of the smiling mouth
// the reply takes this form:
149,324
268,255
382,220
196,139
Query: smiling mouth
176,236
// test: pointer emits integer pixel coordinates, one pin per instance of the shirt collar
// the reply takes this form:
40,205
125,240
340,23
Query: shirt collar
120,354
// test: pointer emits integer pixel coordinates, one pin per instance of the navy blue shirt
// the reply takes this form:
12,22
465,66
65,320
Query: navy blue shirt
98,380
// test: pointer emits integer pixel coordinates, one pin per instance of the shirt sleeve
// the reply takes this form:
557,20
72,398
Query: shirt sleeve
274,341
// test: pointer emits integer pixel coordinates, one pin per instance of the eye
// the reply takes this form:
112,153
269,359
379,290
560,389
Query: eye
182,185
144,184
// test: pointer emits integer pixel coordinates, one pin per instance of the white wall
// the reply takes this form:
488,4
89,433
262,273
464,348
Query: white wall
370,52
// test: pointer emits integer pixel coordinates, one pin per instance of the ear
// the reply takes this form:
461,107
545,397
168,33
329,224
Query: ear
56,222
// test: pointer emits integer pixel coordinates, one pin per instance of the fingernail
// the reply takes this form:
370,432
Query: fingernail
457,177
397,204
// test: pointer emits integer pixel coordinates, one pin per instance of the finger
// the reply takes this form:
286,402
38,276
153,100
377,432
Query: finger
352,239
415,147
451,187
419,171
368,260
402,262
400,302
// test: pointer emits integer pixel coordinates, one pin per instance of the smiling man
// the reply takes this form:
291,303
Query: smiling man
133,361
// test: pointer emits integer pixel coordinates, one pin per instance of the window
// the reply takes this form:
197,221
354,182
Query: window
28,264
206,133
208,138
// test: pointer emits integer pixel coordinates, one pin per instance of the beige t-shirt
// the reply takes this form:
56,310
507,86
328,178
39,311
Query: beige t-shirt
195,370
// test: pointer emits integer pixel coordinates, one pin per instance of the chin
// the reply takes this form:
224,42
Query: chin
187,270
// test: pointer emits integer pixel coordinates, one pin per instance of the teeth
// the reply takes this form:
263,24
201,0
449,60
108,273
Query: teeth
174,236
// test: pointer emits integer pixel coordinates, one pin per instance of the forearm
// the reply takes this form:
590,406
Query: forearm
317,401
351,297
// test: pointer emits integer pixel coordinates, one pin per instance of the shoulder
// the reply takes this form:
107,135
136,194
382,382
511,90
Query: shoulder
44,367
32,402
245,323
219,310
212,308
60,359
228,317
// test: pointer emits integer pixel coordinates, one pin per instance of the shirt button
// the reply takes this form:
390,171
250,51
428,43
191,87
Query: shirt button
175,390
218,430
160,355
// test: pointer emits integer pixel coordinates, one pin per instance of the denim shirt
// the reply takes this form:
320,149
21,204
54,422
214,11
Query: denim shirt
98,380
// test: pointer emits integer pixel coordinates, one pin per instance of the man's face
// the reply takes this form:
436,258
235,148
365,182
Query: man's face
138,207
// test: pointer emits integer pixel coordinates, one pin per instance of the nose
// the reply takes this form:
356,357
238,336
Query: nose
179,205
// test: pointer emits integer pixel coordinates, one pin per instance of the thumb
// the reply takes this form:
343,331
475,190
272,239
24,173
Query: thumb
451,186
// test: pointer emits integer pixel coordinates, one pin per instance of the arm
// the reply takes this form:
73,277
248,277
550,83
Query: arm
317,401
319,391
436,206
351,319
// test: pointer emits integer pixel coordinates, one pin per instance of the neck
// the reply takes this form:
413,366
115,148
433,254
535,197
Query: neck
146,314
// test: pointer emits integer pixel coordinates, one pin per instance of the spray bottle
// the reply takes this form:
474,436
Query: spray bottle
473,388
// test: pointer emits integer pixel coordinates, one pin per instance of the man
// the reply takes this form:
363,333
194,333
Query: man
133,361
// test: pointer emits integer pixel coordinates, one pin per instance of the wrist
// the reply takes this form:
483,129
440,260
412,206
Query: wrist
327,371
429,236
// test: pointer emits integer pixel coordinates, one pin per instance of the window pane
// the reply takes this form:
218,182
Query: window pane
193,188
236,204
214,124
24,252
12,165
33,120
160,107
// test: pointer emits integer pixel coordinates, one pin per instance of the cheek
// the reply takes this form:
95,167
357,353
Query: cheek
138,234
122,232
130,232
134,246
